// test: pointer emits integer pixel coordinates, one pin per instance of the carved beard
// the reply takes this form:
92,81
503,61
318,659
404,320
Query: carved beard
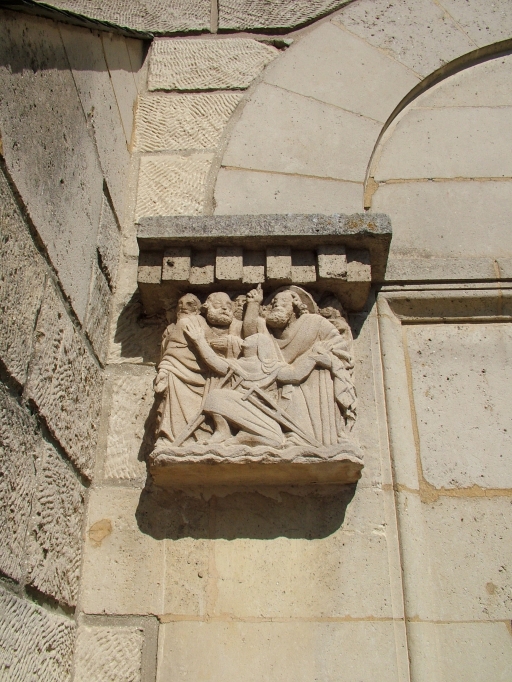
278,318
217,317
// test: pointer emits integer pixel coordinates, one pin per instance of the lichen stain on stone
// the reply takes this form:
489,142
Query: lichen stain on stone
99,531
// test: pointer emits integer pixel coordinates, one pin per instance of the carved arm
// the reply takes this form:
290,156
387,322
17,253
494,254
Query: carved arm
252,312
195,332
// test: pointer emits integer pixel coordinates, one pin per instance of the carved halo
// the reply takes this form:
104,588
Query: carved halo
304,296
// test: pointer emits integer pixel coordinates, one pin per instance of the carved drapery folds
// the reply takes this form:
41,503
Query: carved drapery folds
255,383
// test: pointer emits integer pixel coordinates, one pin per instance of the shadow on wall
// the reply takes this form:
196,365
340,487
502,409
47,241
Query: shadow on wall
296,513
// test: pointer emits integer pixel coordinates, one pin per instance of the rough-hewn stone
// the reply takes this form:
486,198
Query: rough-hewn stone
176,123
22,277
34,644
48,148
97,320
207,64
239,15
108,653
65,382
18,451
172,185
109,243
54,540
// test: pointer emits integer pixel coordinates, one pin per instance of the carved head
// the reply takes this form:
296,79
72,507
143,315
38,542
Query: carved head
240,302
188,304
219,309
286,307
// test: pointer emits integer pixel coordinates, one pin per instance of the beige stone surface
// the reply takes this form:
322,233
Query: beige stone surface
188,580
86,56
484,23
253,652
453,142
460,651
420,35
131,401
172,185
229,263
206,64
108,653
421,214
330,65
279,263
109,243
481,85
48,149
308,137
65,382
123,558
19,447
461,382
247,192
151,16
181,122
429,269
98,309
54,540
21,285
34,643
246,14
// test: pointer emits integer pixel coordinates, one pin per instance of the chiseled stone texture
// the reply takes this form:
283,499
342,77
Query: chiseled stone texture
207,64
302,651
34,644
181,122
172,185
48,148
108,653
22,280
149,16
65,382
18,451
54,540
97,320
131,403
109,243
240,15
462,389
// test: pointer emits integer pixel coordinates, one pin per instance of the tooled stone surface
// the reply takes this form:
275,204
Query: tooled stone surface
194,121
250,14
18,450
207,64
65,383
54,538
98,308
109,243
106,653
34,644
22,280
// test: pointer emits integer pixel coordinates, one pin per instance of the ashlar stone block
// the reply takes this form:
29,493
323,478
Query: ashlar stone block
176,123
34,643
19,447
22,279
65,382
485,24
239,15
229,263
108,653
332,261
109,243
176,265
54,541
98,309
207,64
279,263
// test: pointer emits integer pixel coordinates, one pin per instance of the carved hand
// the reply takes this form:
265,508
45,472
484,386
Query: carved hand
219,343
192,328
160,382
255,294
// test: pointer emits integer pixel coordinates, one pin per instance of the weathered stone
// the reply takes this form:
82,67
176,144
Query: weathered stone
420,35
279,263
181,122
98,309
484,23
332,261
203,267
19,447
99,101
109,243
65,382
22,278
146,16
312,69
34,644
54,540
207,64
461,380
229,263
172,185
239,15
302,138
132,398
108,653
176,265
254,267
48,149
